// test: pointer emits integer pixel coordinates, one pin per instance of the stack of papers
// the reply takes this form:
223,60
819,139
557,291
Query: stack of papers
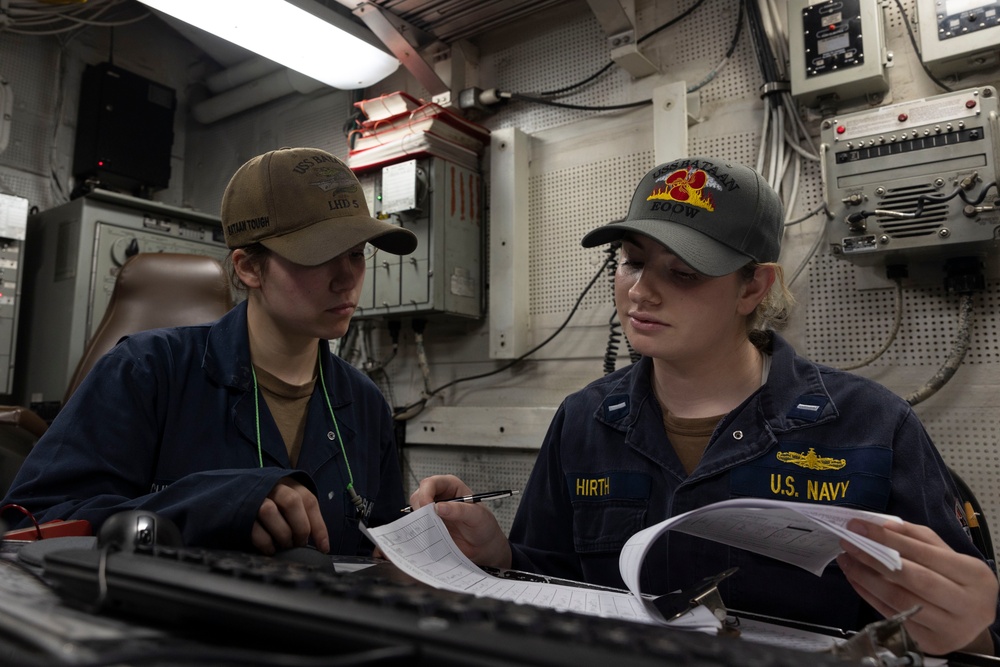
399,126
419,545
802,534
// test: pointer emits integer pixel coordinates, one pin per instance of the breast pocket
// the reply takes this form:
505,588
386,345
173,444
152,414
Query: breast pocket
601,526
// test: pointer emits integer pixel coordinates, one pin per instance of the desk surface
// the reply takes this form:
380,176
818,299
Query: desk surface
37,628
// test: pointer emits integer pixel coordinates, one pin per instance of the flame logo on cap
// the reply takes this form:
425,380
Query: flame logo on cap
687,186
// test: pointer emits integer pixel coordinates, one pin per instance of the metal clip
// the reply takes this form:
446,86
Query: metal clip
705,592
884,643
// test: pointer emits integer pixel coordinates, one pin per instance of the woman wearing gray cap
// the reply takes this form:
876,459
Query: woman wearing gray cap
246,432
719,407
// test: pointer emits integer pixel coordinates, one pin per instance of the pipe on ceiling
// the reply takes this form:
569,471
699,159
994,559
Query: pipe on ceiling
255,92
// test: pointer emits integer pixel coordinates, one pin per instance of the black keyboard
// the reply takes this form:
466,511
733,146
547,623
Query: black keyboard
291,607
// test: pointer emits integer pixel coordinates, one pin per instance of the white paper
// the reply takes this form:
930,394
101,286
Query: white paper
419,544
797,533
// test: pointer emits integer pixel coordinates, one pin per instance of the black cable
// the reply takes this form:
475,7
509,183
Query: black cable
514,362
354,118
739,29
614,341
611,107
729,52
810,214
960,347
762,45
916,49
614,325
680,17
925,199
610,64
590,78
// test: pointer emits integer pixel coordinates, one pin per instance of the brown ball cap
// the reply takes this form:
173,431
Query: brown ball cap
305,205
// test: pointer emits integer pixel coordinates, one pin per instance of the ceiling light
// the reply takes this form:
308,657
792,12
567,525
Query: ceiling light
299,34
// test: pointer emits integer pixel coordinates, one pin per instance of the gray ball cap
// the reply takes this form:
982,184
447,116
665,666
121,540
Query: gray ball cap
715,215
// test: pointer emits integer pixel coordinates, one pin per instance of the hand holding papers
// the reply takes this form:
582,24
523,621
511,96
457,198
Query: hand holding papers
419,544
802,534
798,533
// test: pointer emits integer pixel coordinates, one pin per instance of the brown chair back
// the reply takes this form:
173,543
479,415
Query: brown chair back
154,290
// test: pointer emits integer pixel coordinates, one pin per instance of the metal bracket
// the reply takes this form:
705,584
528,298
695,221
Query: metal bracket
617,19
884,642
393,32
705,593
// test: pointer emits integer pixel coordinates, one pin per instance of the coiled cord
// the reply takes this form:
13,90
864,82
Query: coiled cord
614,325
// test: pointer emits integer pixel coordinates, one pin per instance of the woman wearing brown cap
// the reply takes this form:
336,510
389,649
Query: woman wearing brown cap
246,432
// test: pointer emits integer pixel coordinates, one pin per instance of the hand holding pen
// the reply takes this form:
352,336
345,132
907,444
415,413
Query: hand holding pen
474,498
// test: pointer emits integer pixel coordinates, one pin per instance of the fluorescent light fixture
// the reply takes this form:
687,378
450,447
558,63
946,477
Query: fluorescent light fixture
299,34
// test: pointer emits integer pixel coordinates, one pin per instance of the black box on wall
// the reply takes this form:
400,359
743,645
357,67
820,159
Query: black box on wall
124,131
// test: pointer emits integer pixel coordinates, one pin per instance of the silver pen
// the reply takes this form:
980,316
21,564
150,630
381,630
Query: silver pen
474,498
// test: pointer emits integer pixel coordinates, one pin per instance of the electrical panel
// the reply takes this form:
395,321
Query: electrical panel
914,180
13,227
74,253
837,50
440,202
959,35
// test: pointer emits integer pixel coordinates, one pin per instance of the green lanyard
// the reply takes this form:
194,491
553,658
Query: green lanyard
355,498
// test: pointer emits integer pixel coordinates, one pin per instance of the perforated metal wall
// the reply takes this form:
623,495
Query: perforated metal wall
482,469
29,66
563,206
570,50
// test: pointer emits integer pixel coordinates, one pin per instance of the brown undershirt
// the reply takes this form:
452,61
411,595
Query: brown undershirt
689,437
288,404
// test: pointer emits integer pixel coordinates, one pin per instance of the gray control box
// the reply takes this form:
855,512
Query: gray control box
914,180
441,203
74,253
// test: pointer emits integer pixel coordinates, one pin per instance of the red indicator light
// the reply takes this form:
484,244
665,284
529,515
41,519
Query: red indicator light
841,129
902,118
970,104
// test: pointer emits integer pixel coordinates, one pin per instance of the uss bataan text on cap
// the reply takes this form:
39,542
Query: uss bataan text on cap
305,205
714,214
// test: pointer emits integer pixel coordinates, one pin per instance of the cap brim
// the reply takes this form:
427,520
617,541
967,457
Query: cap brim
326,239
700,252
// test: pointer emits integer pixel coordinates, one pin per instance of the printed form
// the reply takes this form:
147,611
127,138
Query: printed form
419,545
798,533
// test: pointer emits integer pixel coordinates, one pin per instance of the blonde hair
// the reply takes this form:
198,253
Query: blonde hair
773,311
